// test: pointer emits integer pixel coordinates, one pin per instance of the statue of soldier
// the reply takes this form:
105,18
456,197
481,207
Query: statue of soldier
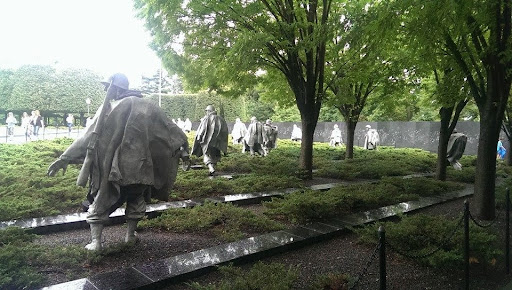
253,140
211,139
269,136
130,153
456,147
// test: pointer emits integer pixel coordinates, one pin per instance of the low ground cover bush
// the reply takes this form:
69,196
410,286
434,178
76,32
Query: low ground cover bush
304,206
194,184
420,235
226,221
270,276
21,257
26,191
375,164
260,276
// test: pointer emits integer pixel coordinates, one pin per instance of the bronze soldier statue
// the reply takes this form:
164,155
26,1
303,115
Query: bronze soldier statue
130,153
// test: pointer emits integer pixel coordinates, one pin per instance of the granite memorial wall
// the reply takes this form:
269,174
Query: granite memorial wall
424,135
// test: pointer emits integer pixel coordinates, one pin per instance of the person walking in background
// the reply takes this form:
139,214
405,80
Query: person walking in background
239,131
296,134
25,125
501,151
70,120
187,127
37,123
371,139
335,138
11,122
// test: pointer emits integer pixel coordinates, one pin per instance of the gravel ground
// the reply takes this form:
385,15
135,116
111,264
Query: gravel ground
341,254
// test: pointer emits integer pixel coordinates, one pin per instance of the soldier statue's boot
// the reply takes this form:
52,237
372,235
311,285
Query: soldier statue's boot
131,234
211,169
95,245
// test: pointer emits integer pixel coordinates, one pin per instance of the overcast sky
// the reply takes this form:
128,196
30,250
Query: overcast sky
102,35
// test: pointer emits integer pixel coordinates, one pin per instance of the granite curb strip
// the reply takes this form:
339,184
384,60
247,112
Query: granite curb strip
185,266
45,225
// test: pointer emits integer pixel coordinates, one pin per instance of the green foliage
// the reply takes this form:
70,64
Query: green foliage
38,195
331,281
26,191
300,207
15,235
261,276
32,87
420,235
21,255
504,182
192,105
386,161
193,184
226,221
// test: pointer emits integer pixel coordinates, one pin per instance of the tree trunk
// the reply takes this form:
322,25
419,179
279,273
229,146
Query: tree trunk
442,148
508,156
351,128
306,148
486,167
491,117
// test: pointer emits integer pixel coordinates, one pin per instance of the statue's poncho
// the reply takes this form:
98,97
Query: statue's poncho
254,134
211,133
138,144
456,147
269,135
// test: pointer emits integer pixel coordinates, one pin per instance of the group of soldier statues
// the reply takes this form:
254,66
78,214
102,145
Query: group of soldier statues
256,138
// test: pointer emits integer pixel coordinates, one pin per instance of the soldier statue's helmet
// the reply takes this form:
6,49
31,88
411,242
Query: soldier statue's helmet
210,108
119,80
268,122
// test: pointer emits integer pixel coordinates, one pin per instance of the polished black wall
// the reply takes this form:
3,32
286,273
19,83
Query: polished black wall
424,135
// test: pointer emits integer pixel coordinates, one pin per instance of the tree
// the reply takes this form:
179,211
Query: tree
476,35
32,87
6,86
370,63
161,83
228,42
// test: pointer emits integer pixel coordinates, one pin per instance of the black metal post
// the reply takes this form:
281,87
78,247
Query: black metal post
507,232
466,244
382,257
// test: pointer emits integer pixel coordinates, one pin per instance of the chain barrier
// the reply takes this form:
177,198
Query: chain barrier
444,241
365,269
496,218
